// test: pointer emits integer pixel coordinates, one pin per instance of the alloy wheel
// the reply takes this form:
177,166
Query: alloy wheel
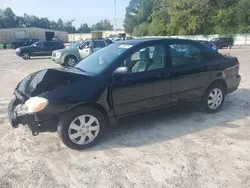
71,61
26,56
83,129
215,98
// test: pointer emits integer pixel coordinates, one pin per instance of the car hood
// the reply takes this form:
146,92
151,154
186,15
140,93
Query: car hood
48,80
23,47
66,50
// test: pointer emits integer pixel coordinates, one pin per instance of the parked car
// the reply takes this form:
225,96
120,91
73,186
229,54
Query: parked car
114,38
23,42
209,44
125,78
78,51
222,42
40,48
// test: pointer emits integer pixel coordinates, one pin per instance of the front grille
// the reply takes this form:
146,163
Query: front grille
54,54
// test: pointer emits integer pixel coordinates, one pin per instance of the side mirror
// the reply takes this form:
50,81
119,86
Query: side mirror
121,70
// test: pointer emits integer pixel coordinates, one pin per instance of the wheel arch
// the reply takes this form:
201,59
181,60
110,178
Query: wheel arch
96,106
217,81
69,55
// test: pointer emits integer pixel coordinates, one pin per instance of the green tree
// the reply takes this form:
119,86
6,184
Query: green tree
242,16
9,18
1,19
138,12
102,25
84,28
141,30
54,25
60,25
160,18
68,26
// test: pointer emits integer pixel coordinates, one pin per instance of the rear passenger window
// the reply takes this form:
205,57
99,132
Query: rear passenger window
48,44
183,54
99,44
58,44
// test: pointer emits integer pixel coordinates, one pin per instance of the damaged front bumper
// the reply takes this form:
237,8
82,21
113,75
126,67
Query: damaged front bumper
17,113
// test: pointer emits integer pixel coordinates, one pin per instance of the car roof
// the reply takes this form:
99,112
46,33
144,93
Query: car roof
48,41
138,41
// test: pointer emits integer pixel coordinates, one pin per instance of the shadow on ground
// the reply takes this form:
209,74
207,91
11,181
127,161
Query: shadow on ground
168,124
33,58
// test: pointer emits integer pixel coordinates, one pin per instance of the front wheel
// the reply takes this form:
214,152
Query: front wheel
214,97
25,55
81,128
70,61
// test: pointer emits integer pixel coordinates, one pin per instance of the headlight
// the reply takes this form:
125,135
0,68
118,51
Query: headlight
17,50
58,54
36,104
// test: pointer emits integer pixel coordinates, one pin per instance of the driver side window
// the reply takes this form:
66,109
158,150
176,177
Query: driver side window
86,45
146,59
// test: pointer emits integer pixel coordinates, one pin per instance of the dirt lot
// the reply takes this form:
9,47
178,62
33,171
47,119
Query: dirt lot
177,149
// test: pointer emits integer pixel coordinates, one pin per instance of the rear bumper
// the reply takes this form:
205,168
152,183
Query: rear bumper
233,83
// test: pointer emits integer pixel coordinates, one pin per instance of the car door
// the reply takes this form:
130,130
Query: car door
48,48
188,74
37,49
145,86
84,49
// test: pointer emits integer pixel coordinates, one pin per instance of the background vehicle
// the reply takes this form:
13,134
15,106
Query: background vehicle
209,44
222,42
125,78
78,51
23,42
40,48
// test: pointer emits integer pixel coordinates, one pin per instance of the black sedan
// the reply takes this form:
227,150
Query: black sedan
122,79
40,48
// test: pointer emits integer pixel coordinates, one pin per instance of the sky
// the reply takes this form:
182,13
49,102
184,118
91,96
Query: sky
83,11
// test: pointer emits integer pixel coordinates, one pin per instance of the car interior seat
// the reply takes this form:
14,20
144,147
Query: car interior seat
158,58
142,64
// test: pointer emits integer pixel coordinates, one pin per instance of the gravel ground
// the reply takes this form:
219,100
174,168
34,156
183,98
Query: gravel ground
169,149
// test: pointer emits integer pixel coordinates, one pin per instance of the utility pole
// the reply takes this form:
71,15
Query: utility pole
115,16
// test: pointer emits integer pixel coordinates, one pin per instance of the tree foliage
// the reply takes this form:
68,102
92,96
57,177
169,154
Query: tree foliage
8,19
187,17
102,25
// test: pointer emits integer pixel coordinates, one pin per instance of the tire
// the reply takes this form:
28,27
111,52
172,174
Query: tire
12,104
25,55
77,135
213,104
70,61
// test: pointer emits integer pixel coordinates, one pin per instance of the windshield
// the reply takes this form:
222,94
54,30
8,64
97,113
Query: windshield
77,44
100,60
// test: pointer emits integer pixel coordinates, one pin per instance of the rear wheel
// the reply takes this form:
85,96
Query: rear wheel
25,55
70,61
81,128
214,97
